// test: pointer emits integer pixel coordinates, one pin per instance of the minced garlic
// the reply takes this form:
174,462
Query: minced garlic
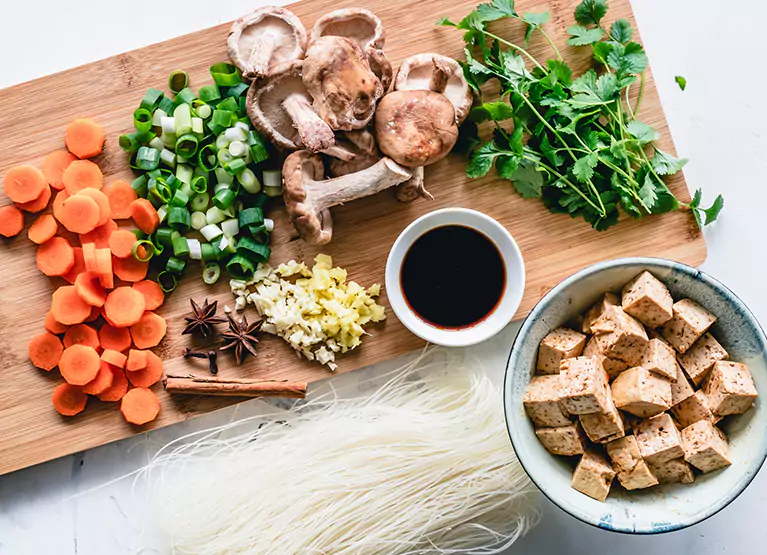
319,313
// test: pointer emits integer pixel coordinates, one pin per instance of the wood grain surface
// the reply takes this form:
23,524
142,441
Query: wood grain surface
36,113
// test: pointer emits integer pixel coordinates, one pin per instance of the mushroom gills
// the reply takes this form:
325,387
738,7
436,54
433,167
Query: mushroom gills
358,24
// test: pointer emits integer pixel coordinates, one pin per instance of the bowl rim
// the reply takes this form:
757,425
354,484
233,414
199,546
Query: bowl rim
594,269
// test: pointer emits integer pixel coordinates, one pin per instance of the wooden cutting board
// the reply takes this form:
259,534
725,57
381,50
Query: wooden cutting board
36,113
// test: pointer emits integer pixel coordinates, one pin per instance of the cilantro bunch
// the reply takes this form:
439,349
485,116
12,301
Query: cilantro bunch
575,142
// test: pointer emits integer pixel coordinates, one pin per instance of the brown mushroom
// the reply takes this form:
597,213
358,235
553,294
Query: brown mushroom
337,75
415,128
308,198
359,150
280,107
262,41
434,72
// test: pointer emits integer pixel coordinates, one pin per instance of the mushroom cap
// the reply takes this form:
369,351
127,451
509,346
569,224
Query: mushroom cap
416,72
415,128
338,76
381,66
358,24
298,169
278,28
361,144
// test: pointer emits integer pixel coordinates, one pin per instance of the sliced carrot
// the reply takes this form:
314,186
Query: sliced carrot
124,307
67,306
104,267
100,235
68,399
115,339
153,294
103,203
145,216
84,138
130,269
149,375
90,289
43,229
120,195
55,257
96,312
81,334
119,386
79,364
149,331
53,326
58,204
89,256
11,221
101,382
39,204
54,165
24,184
82,174
79,214
115,358
45,351
78,267
121,243
140,405
136,360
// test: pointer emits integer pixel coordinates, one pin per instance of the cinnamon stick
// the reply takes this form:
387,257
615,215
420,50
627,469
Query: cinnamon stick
198,385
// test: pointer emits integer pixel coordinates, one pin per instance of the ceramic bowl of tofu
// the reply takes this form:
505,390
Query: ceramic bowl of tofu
685,449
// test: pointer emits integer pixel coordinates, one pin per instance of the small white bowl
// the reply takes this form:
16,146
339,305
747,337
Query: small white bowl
512,293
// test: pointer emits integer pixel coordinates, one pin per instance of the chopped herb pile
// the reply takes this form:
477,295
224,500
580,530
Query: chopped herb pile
576,142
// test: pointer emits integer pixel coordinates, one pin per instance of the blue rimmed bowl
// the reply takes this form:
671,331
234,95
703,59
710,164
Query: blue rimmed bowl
661,508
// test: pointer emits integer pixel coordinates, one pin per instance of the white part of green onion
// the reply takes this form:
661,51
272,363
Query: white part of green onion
157,117
249,181
183,119
162,212
199,171
248,158
273,192
236,134
204,111
229,212
224,157
198,220
222,142
211,231
195,248
272,178
214,215
242,125
269,224
168,139
185,173
237,149
230,227
168,157
168,124
222,176
157,144
219,187
224,243
197,126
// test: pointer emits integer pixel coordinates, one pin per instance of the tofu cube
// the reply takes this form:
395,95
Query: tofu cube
632,470
693,409
705,446
593,313
543,403
658,439
641,392
604,426
730,388
675,471
660,358
627,340
689,323
648,300
558,345
593,476
612,366
681,388
583,386
565,440
701,357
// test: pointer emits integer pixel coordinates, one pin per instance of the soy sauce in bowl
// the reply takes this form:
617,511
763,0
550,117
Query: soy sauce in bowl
453,277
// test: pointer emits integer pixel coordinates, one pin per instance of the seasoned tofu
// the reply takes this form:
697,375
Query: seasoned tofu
558,345
648,300
612,366
565,440
693,409
689,323
593,476
593,313
583,386
660,358
675,471
627,339
681,388
632,470
705,446
701,357
641,392
730,388
604,426
658,439
543,403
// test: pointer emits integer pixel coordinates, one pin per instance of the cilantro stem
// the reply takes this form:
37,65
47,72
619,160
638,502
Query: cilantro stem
641,94
566,181
518,49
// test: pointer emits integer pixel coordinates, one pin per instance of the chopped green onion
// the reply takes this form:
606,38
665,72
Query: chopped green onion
222,142
198,126
162,212
167,157
222,118
269,224
250,217
175,266
240,267
209,252
249,181
198,220
139,186
211,273
209,93
172,181
238,149
142,120
199,184
168,139
234,166
230,227
158,189
237,90
151,99
199,202
214,215
185,96
167,105
178,80
179,218
184,173
154,174
182,117
179,199
147,158
220,186
131,142
226,245
257,147
186,145
225,75
139,234
167,281
168,124
242,104
230,105
207,159
236,133
195,249
222,176
180,247
204,111
157,144
224,199
157,117
211,232
253,250
163,236
224,157
148,247
256,230
215,128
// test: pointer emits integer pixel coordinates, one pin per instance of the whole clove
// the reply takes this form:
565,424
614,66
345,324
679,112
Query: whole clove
212,357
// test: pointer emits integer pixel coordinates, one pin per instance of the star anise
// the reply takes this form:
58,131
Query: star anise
202,319
241,337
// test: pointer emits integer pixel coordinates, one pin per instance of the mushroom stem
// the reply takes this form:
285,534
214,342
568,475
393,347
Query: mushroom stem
363,139
440,75
260,56
341,152
413,188
316,135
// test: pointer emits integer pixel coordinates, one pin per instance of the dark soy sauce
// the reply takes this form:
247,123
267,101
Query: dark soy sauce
453,277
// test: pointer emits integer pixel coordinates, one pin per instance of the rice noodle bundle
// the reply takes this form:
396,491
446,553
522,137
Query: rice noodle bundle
422,466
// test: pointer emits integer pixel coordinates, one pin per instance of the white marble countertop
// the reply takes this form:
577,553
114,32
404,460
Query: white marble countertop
717,123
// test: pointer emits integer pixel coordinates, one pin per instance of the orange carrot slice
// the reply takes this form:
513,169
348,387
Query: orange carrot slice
116,339
90,289
79,214
145,216
124,307
58,204
121,243
115,358
11,221
102,202
68,399
81,334
100,235
82,174
153,294
149,331
130,269
39,204
67,306
96,312
119,386
79,364
84,138
43,229
53,326
149,375
140,405
104,267
45,351
24,184
101,382
120,195
78,267
136,360
54,166
55,257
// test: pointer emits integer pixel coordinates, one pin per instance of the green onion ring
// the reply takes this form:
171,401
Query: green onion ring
167,281
225,75
148,247
178,80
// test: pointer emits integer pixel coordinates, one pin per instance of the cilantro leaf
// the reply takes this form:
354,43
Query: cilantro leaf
528,181
590,12
446,22
498,9
494,111
514,68
627,59
537,18
507,165
595,91
561,71
681,81
583,169
621,31
665,201
642,132
647,193
602,51
482,160
580,36
550,153
665,164
712,212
